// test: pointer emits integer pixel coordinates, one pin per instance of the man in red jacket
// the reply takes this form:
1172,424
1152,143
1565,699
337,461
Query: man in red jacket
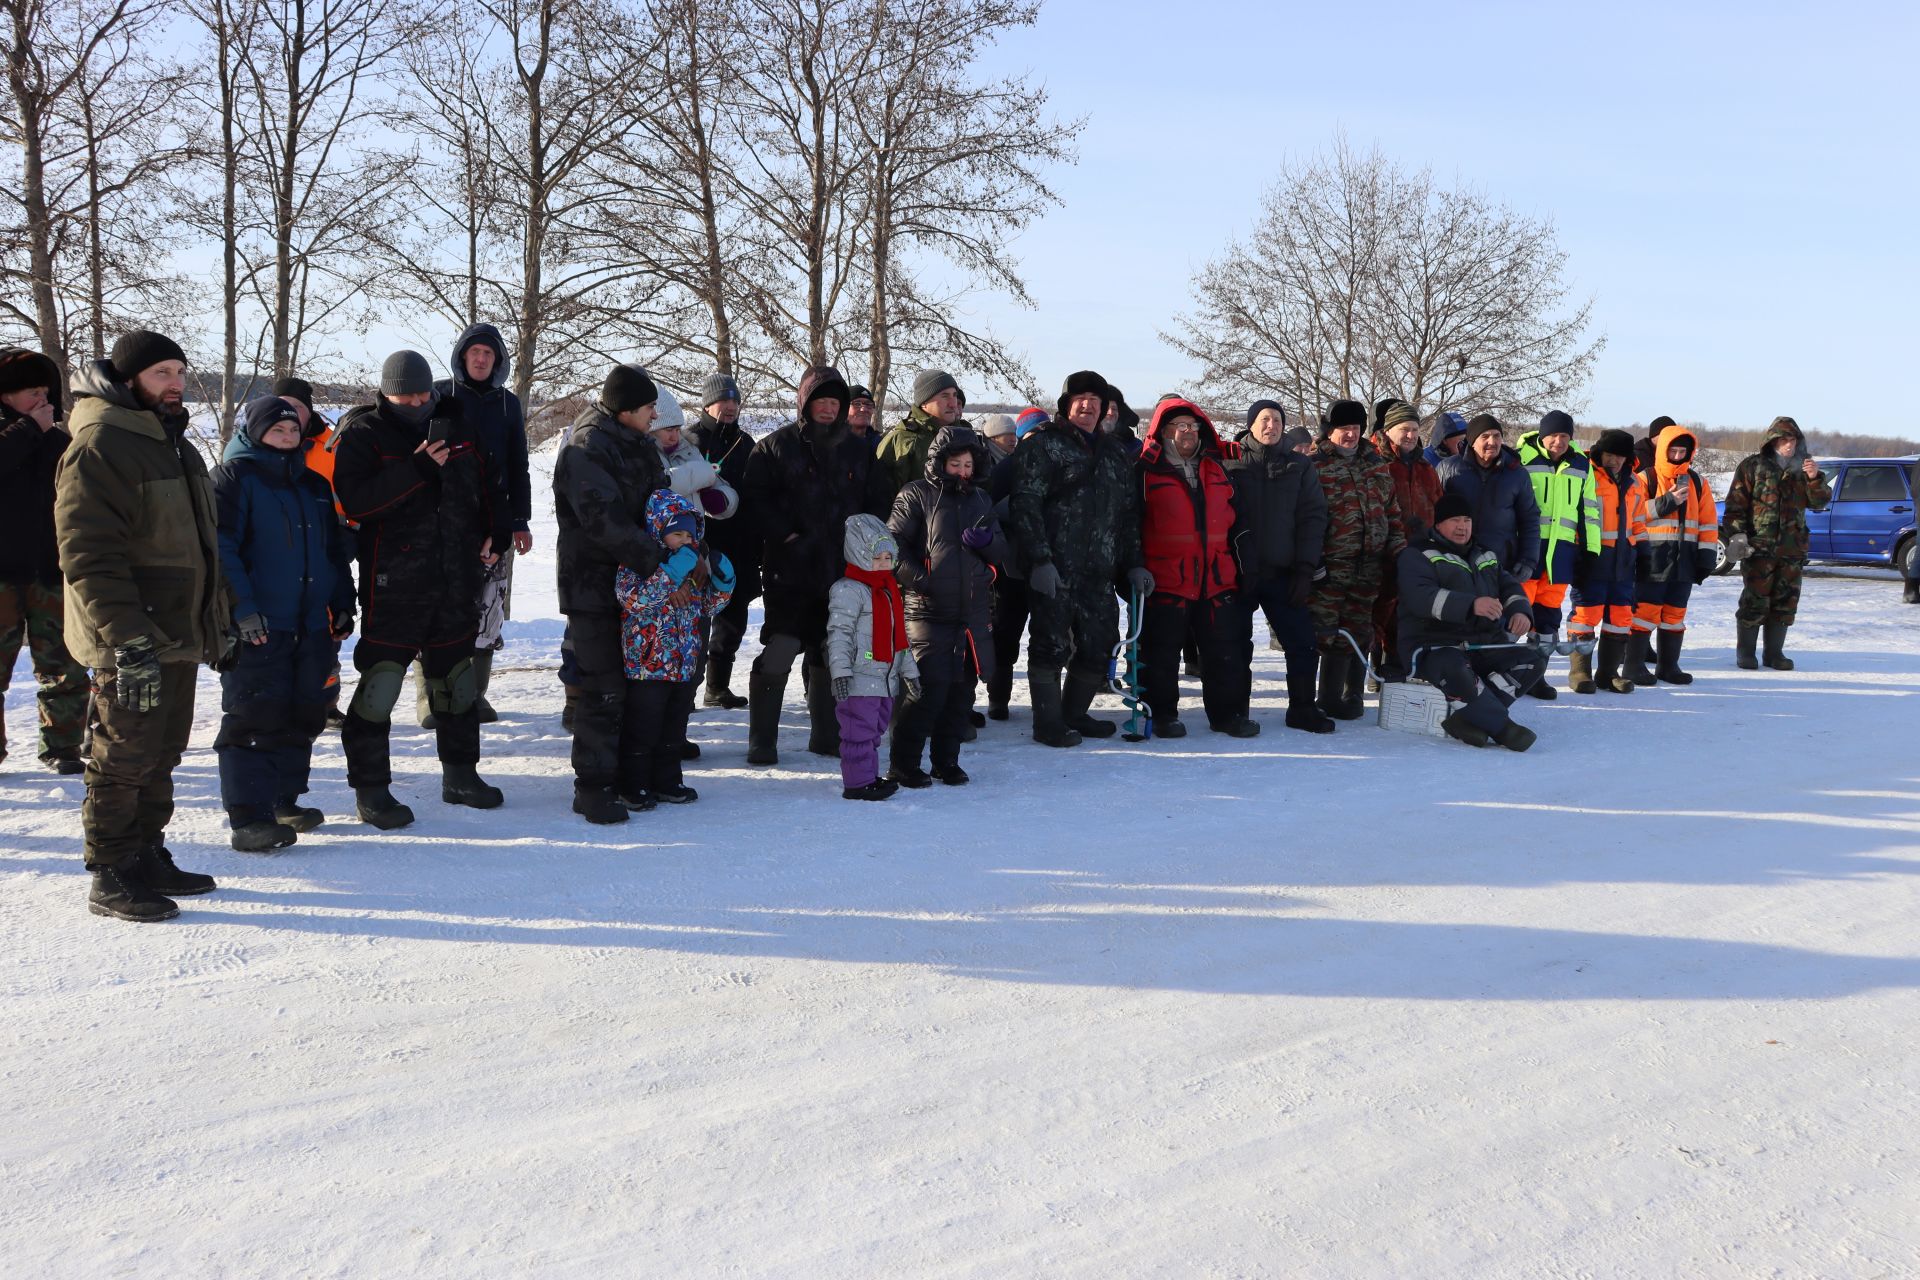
1396,434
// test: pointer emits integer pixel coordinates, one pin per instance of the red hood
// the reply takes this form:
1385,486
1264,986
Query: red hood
1209,438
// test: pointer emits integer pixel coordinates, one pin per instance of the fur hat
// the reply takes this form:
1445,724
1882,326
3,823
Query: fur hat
1344,413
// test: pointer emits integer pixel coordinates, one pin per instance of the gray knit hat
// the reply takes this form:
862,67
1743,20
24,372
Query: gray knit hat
405,373
718,387
929,383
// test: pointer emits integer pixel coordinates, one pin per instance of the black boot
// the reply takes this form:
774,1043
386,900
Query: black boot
1910,593
598,805
1543,689
1669,668
262,836
1075,700
1302,712
156,870
719,679
1049,726
1638,644
1745,638
461,784
67,761
377,808
1579,673
1459,728
290,813
1607,677
878,789
1775,636
823,721
763,718
567,710
121,893
1335,666
1516,737
482,677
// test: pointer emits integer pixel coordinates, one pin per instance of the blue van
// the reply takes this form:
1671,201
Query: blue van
1870,519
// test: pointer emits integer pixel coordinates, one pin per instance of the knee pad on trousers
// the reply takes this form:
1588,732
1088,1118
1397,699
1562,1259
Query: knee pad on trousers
456,692
379,689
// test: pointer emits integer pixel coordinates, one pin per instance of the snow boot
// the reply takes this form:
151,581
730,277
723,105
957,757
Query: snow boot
1775,636
377,808
878,789
1238,727
156,870
1579,673
1302,712
289,813
598,805
1638,643
1745,638
910,776
1516,737
1169,728
1613,647
1335,665
119,892
679,793
823,721
1075,700
952,775
1669,668
461,784
482,677
689,749
262,836
1910,594
1049,726
1460,729
65,762
719,692
763,718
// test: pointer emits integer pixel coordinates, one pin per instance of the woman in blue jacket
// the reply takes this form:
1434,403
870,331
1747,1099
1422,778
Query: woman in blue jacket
283,555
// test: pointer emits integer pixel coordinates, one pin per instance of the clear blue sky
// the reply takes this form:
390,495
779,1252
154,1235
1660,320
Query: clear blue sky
1735,184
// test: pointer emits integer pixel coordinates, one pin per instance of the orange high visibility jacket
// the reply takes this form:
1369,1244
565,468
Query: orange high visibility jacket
1683,529
1623,526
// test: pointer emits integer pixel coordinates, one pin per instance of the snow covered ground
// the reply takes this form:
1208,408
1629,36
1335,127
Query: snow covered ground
1638,1003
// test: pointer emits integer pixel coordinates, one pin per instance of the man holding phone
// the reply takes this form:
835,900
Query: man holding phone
433,516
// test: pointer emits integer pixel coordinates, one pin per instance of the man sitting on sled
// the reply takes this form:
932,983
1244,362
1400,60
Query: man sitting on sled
1466,619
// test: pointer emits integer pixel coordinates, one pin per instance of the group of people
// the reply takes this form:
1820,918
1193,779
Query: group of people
898,569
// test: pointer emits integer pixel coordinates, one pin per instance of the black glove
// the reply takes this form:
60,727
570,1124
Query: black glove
253,629
1300,585
1045,579
340,625
136,676
842,688
1584,564
912,687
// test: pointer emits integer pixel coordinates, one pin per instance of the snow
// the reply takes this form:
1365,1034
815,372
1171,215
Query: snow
1369,1005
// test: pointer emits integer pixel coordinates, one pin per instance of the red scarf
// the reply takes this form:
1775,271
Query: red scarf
889,615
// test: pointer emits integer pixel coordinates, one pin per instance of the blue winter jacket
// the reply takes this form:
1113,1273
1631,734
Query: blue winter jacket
495,415
283,552
1506,519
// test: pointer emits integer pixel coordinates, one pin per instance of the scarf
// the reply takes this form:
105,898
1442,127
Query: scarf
889,616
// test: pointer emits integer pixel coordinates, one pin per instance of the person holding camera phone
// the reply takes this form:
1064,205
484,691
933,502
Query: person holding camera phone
433,516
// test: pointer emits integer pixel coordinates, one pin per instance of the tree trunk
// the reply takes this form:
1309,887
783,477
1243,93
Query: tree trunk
33,184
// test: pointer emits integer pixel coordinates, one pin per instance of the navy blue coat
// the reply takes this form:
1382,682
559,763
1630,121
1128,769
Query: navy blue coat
1506,518
283,551
495,417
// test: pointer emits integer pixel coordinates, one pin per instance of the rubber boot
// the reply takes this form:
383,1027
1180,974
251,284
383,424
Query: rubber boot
1613,647
1543,688
462,784
1515,737
1049,723
377,808
1775,635
1669,668
823,734
1076,698
1461,729
1638,643
1302,712
763,718
1356,694
1579,673
1745,639
482,677
719,692
1335,665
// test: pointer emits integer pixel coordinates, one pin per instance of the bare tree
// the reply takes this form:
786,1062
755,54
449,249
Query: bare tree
1361,281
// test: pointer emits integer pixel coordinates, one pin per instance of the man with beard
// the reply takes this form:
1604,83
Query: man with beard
722,442
139,546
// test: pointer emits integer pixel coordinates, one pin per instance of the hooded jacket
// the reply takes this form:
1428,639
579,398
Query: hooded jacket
139,540
421,526
1186,530
282,548
1683,529
1769,503
1569,507
1075,501
1280,511
1506,519
661,640
602,480
949,585
726,449
901,456
849,643
1445,426
1440,580
802,483
29,460
496,418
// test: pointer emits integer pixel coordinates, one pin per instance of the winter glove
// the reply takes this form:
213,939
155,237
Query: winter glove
136,680
1739,547
681,563
1045,579
842,688
713,501
1140,580
722,575
912,686
341,625
979,537
253,629
1300,585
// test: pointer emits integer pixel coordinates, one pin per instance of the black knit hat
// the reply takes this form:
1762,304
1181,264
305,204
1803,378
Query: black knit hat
1294,437
257,417
1556,423
859,393
21,369
1480,424
1255,409
1654,427
140,350
1451,505
293,389
406,373
1344,413
627,387
1614,441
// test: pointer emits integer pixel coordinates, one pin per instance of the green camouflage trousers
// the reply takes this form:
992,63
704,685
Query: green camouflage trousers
1772,592
1345,600
37,615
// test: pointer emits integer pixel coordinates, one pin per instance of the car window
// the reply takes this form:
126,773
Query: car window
1872,484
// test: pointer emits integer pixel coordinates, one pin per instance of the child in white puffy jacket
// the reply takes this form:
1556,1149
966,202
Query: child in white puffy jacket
868,656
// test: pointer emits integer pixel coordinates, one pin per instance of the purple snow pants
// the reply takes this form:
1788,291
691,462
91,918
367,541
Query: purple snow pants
863,724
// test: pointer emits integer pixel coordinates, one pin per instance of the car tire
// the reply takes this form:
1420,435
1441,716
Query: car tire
1904,557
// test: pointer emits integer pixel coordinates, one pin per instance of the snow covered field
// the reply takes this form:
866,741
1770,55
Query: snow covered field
1638,1003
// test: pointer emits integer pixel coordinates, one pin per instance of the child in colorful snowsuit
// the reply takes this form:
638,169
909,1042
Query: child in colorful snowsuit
869,658
663,624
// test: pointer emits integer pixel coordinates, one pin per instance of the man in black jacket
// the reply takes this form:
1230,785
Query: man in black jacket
432,517
32,607
494,416
601,481
718,436
802,483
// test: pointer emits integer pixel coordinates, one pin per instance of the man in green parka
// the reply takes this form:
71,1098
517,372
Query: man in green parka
902,454
1766,507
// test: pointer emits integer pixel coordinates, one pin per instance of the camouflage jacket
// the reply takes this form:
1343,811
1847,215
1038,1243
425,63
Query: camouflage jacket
1363,512
1075,503
1769,502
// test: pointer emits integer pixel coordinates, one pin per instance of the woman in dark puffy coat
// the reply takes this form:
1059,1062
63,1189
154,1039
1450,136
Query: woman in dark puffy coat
950,545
